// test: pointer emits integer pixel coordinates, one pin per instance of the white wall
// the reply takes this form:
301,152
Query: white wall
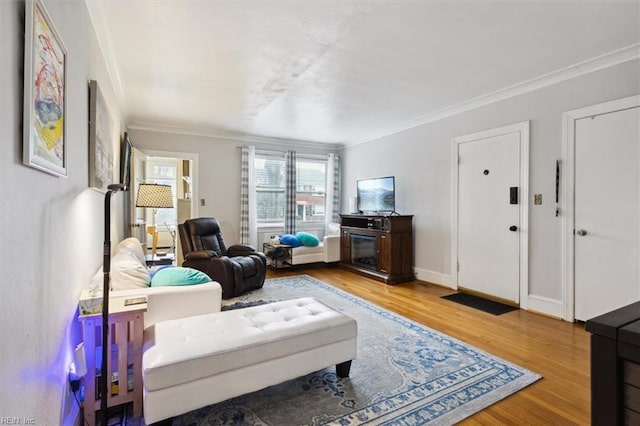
219,170
50,228
420,158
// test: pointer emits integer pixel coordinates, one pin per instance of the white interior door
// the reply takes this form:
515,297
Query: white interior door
607,212
488,223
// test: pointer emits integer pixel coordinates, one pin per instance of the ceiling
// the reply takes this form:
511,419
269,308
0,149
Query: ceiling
342,71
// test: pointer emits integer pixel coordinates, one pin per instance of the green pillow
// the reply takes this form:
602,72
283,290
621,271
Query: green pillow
179,276
307,239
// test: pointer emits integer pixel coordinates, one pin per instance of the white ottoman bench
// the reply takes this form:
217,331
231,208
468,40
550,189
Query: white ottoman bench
193,362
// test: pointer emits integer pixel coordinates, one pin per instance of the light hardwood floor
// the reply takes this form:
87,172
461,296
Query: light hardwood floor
556,349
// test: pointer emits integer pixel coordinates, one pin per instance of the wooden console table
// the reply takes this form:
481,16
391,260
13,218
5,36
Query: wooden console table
124,363
378,246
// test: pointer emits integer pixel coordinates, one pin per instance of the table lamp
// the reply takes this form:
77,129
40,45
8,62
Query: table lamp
155,196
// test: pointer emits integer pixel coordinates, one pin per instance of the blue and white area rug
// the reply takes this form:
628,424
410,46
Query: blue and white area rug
404,374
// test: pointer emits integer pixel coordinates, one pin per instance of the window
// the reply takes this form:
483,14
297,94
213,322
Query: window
270,180
311,194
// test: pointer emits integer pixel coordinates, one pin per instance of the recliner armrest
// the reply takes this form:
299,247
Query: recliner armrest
331,248
240,250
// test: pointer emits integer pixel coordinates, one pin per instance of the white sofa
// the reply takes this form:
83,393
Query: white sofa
167,303
327,251
130,277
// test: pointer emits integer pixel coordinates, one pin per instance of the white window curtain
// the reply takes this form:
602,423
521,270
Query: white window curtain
248,209
332,208
290,193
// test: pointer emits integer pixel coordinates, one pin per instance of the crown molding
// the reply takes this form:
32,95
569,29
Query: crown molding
607,60
238,137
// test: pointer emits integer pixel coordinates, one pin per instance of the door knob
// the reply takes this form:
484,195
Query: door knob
513,228
581,232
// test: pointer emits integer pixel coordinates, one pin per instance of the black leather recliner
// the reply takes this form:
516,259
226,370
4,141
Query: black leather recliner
238,268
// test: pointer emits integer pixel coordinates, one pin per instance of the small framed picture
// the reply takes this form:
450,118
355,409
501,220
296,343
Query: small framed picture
45,73
125,161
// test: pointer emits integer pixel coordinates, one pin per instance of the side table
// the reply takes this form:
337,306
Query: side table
159,260
124,363
278,255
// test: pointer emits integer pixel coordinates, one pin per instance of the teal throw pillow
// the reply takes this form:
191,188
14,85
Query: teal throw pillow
290,240
179,276
307,239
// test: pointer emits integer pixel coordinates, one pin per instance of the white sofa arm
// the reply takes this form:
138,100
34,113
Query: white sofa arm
331,248
172,302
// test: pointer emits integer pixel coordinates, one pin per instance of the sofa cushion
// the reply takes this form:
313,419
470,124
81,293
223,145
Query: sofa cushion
179,275
298,251
290,240
307,239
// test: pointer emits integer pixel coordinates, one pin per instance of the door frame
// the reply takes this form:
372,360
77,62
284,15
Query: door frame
567,205
523,129
195,182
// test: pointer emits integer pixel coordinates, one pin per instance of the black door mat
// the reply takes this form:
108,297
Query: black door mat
486,305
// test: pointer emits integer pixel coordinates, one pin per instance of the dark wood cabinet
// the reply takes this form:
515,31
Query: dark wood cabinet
377,246
615,366
384,260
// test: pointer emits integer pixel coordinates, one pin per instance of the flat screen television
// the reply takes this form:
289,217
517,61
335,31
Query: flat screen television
377,195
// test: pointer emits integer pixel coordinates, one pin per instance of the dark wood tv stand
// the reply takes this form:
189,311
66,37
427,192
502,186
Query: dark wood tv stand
378,246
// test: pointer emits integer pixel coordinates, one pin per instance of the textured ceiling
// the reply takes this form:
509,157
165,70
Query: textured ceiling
337,72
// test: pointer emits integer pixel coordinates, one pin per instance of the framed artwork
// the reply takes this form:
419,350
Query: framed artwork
101,140
45,73
125,161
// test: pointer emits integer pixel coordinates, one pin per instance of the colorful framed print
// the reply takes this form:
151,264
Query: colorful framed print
45,68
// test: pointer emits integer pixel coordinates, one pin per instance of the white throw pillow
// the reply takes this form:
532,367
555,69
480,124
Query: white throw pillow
133,247
127,272
333,229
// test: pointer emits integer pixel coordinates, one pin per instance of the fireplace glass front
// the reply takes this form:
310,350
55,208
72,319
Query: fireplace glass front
363,251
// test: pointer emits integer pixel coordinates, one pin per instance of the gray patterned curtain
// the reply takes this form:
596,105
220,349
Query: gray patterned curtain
332,203
248,214
335,211
290,193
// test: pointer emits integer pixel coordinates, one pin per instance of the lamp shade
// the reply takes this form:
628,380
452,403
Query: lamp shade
154,195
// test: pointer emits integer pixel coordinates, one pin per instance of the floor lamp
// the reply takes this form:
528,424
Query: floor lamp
151,195
104,388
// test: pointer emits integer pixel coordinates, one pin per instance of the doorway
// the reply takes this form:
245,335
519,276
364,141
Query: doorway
490,212
602,220
180,171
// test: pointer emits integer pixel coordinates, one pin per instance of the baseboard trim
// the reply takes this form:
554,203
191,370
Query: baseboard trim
545,306
538,304
434,277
